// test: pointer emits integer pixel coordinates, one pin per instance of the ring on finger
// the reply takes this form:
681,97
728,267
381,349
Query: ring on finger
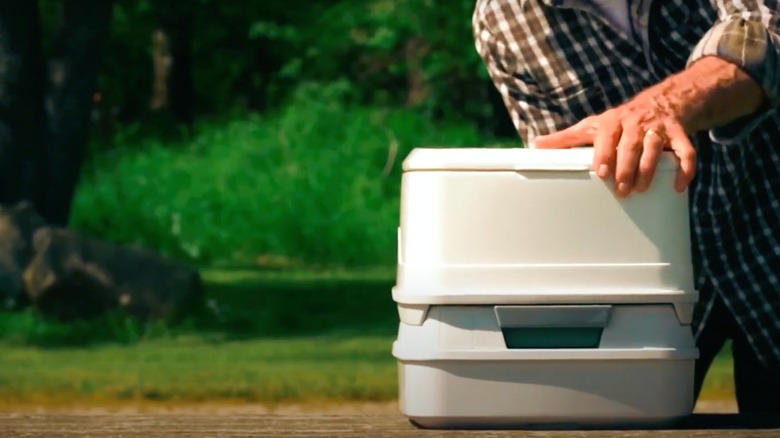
660,135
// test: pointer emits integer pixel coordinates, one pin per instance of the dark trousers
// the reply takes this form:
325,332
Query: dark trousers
757,386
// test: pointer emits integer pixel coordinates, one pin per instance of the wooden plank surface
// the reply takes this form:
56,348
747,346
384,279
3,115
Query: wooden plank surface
313,425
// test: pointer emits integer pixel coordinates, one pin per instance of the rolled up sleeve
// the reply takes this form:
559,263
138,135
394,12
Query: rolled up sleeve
746,34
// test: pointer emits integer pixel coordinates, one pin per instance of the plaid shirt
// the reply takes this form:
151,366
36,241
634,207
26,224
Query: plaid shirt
556,62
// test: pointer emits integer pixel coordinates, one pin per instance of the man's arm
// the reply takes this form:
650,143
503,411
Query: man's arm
532,113
732,74
710,93
747,35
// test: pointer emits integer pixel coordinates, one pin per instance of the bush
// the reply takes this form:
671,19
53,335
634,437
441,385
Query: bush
316,184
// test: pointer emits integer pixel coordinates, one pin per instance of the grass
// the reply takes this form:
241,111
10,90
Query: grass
194,369
275,338
719,383
282,338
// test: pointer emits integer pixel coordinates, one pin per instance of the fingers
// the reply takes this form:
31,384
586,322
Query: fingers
653,144
683,148
629,151
580,134
604,146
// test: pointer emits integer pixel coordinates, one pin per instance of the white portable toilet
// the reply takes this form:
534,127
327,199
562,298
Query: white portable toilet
530,295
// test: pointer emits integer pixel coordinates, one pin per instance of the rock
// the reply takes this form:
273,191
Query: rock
72,276
17,225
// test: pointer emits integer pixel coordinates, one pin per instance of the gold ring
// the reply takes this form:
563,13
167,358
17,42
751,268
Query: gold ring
660,135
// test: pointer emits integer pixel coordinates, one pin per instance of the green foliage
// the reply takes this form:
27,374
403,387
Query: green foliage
29,328
252,55
316,184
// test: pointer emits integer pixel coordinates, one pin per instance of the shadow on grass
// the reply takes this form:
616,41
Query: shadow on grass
253,305
290,307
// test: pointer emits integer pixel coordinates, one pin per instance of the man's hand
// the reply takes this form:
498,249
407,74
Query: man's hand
628,140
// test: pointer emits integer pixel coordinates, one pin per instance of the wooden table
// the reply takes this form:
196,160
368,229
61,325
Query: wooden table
314,425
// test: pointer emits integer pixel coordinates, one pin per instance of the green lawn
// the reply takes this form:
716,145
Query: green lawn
278,338
192,369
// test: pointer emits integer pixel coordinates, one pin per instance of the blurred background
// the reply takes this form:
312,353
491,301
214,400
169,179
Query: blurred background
256,147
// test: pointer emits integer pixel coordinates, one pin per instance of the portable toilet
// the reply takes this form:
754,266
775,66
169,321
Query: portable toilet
530,295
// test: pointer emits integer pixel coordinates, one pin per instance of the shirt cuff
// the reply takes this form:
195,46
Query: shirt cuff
749,45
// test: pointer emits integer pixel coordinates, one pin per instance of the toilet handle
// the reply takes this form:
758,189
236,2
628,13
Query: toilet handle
582,316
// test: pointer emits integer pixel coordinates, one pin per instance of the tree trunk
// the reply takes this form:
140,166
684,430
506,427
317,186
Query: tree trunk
21,103
174,88
73,68
161,70
416,50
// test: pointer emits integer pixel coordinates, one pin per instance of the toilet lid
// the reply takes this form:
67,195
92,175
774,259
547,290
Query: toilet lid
497,159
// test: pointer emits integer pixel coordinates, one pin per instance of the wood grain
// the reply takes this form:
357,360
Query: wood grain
313,425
